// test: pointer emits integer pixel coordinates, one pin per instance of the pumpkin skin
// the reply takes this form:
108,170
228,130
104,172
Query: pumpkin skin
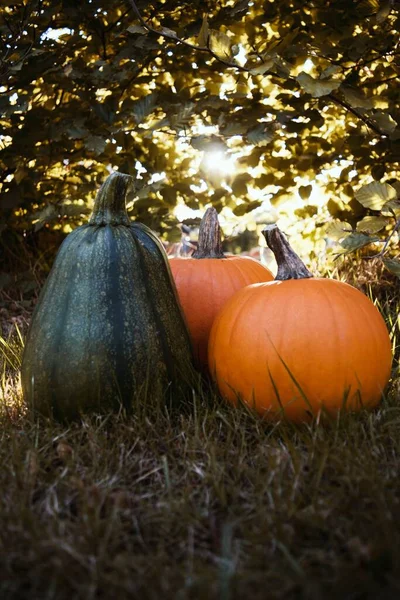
107,327
205,284
289,348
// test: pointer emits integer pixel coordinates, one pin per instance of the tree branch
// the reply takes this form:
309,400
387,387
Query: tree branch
355,112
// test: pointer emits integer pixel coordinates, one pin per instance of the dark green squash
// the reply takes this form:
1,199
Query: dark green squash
108,326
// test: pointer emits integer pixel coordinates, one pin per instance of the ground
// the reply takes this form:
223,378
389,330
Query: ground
207,502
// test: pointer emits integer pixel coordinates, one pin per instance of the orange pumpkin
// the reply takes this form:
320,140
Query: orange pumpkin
207,279
297,344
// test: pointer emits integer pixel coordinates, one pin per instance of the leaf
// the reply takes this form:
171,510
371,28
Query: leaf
144,107
261,135
307,211
331,70
393,265
338,229
203,142
391,207
317,87
95,144
305,191
375,195
384,11
240,209
137,29
355,241
239,184
385,121
20,174
181,118
48,214
356,99
220,44
168,32
286,41
104,111
75,132
202,38
263,68
371,224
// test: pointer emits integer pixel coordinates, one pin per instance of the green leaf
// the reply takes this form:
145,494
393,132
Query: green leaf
104,111
169,32
137,29
180,119
357,240
393,265
393,206
385,121
317,87
356,99
95,144
203,142
261,135
375,195
371,224
144,107
384,11
263,68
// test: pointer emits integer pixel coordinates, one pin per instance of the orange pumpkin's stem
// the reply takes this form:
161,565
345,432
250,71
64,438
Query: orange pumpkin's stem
290,266
210,245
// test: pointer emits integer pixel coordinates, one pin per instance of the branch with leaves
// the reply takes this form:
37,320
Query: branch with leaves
383,201
206,37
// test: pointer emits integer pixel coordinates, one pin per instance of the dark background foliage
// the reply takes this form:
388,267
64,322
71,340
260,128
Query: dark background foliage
85,87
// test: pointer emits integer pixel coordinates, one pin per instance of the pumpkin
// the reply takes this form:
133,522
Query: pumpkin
299,344
108,326
207,279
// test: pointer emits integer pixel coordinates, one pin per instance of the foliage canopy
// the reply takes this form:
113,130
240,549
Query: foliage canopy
302,95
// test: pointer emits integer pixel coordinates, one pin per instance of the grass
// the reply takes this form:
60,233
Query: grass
212,502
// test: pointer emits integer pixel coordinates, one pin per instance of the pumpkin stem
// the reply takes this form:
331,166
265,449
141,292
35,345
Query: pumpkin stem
290,266
109,207
209,245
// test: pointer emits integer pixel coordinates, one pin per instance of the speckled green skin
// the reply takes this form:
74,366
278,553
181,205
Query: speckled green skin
108,325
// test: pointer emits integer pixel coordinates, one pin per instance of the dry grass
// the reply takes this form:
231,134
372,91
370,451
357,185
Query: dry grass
210,503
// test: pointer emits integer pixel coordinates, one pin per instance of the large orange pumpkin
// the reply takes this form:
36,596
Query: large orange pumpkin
297,344
207,279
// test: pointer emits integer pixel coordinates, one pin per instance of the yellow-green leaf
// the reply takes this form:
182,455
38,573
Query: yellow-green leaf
371,224
220,44
317,87
202,38
338,229
263,68
375,195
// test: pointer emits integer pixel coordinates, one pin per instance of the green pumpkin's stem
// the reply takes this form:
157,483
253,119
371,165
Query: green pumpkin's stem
210,245
290,266
109,207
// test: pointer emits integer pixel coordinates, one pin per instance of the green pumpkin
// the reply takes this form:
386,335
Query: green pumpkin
108,326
